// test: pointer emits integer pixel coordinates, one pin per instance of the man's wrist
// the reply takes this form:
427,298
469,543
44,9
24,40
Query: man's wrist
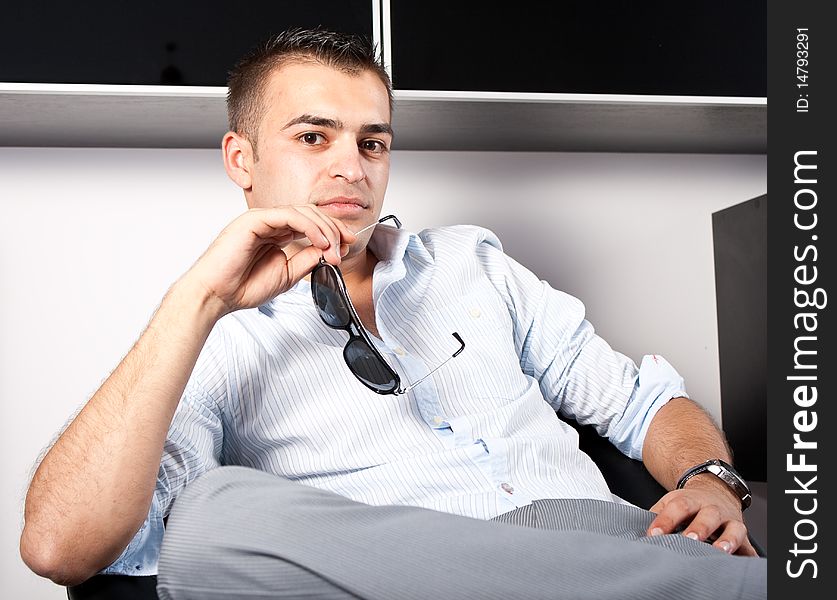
708,481
719,472
196,299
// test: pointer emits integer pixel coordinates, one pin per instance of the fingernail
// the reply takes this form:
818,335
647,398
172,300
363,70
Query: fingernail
725,546
692,535
656,531
344,250
325,240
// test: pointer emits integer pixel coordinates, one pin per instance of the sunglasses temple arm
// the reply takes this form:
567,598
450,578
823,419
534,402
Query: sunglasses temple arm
379,221
454,355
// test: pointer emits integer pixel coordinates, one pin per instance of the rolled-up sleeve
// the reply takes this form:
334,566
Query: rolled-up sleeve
657,382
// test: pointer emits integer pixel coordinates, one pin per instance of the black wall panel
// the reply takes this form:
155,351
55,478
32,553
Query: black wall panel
153,42
582,46
740,241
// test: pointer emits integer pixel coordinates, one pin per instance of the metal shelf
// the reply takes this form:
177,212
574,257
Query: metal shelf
73,115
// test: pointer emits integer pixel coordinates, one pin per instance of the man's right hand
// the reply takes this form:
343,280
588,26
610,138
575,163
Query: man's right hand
248,263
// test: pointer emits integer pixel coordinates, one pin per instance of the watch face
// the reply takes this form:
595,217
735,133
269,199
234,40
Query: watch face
729,476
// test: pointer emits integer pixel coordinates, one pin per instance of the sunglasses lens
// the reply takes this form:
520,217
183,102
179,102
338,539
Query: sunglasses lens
368,367
333,306
329,300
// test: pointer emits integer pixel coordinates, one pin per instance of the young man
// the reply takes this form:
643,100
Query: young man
237,368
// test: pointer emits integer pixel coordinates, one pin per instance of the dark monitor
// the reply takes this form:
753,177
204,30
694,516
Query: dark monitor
740,245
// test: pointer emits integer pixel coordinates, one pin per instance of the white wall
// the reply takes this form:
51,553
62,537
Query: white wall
90,239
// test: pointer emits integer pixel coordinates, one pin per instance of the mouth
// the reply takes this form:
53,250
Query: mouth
343,202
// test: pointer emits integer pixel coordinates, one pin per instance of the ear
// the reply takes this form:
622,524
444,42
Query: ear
238,159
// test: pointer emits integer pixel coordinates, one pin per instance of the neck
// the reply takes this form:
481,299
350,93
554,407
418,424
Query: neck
358,268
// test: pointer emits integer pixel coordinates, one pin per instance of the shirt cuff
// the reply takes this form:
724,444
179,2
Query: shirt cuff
142,553
657,382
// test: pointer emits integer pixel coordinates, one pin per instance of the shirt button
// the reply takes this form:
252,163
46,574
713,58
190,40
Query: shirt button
475,313
438,420
507,488
400,351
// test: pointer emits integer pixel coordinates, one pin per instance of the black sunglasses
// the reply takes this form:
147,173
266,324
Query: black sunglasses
361,356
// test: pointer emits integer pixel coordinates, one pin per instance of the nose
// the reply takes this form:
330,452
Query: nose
347,162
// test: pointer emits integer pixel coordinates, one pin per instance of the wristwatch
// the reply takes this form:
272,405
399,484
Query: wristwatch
725,473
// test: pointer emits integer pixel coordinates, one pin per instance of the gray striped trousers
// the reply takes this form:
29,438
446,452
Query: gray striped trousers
242,533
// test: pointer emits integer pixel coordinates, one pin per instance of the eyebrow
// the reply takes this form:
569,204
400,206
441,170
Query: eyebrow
338,124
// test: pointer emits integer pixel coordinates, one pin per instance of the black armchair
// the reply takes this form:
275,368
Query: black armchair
626,478
115,587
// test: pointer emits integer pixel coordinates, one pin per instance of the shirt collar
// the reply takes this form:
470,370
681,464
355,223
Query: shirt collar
390,244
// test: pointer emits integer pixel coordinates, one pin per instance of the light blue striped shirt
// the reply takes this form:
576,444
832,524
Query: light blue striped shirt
479,438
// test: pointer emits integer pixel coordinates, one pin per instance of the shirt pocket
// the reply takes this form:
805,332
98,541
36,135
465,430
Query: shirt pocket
487,374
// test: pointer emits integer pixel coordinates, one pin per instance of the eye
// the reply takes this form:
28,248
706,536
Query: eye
310,138
373,146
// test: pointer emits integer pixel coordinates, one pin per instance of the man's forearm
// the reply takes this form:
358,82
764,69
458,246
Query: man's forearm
93,488
681,435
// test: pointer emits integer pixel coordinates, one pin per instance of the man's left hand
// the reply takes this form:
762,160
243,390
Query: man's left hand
707,510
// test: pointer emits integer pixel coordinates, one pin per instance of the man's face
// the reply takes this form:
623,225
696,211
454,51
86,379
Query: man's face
324,140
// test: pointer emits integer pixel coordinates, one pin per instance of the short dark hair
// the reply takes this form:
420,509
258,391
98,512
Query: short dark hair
352,54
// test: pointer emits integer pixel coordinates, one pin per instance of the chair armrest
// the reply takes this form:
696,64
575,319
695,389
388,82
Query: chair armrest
115,587
626,477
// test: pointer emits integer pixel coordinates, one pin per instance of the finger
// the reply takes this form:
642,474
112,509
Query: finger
704,524
271,222
658,506
324,220
332,253
344,234
672,511
746,549
267,269
286,238
302,263
347,236
732,539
